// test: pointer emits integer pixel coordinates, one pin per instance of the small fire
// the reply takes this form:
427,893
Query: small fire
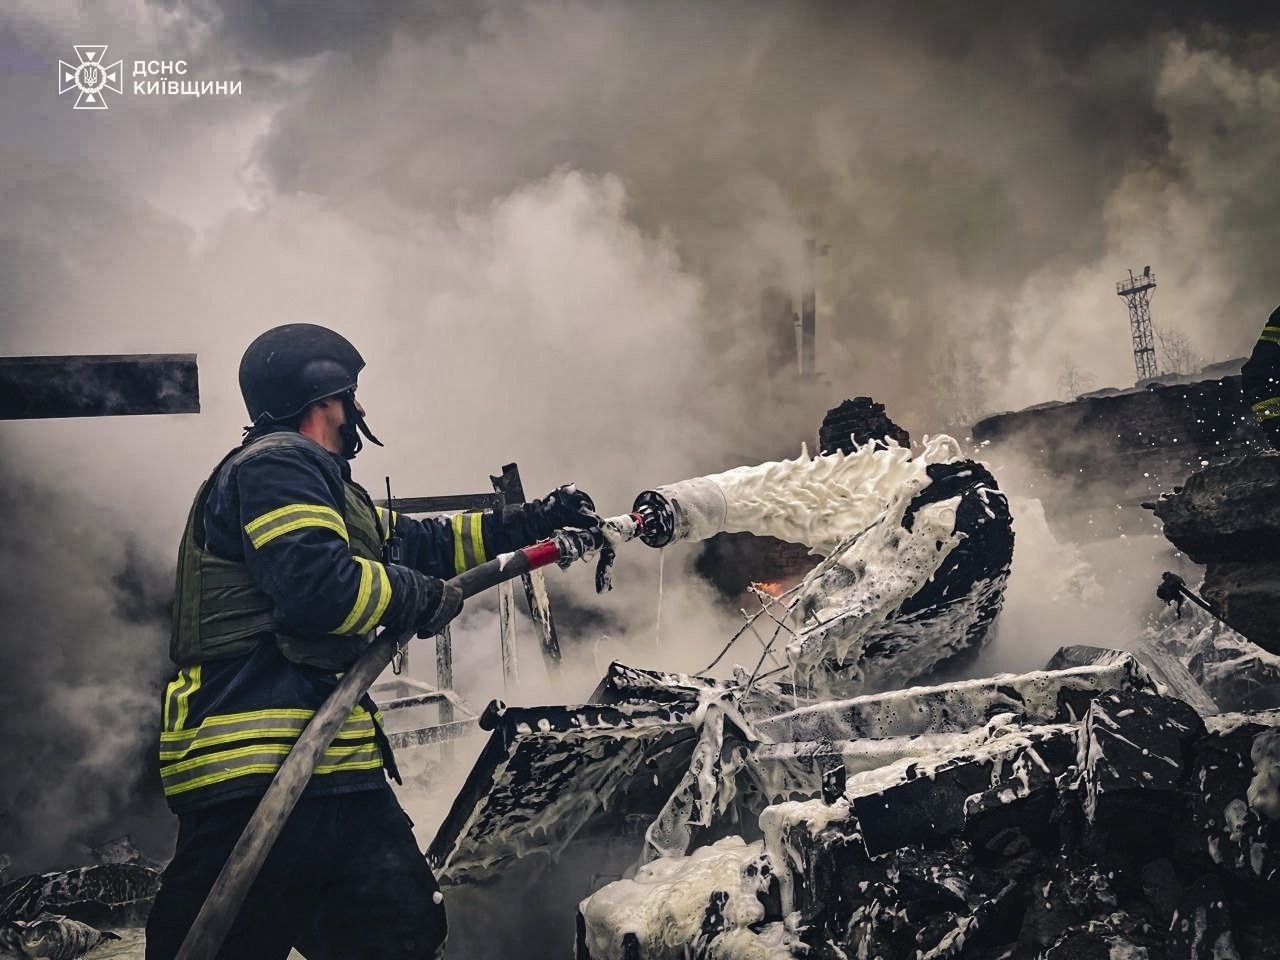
772,587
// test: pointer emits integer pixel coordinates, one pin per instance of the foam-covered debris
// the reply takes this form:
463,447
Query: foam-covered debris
678,907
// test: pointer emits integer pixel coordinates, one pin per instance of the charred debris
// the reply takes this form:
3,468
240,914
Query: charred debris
868,800
1115,804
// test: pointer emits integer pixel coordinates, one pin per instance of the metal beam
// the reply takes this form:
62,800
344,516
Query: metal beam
34,388
535,586
444,504
440,733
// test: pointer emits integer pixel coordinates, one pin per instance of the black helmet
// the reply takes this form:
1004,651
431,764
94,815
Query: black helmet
288,367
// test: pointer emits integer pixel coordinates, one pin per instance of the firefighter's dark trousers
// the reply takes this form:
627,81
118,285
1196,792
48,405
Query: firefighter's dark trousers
344,880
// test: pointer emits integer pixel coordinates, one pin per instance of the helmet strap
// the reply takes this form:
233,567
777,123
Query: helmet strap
353,426
254,430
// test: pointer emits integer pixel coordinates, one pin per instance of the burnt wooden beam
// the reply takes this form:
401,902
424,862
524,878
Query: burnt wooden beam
33,388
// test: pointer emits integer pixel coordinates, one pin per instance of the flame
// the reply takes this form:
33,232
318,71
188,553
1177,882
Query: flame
772,587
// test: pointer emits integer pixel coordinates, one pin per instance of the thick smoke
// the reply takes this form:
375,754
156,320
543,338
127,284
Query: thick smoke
85,611
547,225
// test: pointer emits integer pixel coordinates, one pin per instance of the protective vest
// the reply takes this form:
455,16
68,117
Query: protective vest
220,613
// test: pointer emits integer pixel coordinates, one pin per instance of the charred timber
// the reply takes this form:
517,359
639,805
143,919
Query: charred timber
98,386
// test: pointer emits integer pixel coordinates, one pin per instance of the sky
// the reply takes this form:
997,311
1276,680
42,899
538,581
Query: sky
547,224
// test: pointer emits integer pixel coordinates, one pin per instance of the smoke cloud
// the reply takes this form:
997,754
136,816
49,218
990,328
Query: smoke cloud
547,225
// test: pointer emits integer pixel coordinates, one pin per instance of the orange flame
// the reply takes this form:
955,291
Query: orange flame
772,587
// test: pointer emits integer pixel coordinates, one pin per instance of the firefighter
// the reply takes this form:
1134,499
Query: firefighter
1260,379
281,579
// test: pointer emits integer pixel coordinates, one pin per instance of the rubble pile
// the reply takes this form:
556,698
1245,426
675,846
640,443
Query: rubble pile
1057,813
916,553
1234,673
66,913
1227,517
1116,825
1097,458
1111,806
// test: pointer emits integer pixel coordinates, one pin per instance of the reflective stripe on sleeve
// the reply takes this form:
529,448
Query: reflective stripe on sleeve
1269,335
372,597
468,541
294,516
387,518
177,697
477,538
1267,409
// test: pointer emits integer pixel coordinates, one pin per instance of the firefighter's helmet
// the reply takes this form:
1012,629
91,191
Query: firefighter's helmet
291,366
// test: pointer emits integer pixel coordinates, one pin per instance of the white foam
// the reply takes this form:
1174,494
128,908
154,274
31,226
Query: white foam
818,501
664,904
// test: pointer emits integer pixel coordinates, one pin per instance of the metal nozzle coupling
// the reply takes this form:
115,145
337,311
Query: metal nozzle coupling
659,526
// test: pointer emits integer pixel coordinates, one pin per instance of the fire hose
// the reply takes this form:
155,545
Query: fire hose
1173,589
204,939
688,510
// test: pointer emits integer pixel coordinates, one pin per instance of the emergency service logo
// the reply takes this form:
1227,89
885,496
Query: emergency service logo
92,77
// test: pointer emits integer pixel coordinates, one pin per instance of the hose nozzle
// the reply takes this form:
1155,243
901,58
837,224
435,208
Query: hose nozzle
658,519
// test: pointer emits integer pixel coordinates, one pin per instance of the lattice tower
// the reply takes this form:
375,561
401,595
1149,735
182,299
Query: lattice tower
1137,295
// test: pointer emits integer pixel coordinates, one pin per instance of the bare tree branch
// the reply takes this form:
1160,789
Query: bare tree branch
1073,381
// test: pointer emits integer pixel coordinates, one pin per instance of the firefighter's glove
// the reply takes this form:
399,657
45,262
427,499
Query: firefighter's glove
565,506
442,601
422,604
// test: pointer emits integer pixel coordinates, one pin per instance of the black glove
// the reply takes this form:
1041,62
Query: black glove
425,603
443,602
521,524
565,506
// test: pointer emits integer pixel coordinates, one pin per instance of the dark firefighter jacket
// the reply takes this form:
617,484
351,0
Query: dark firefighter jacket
289,581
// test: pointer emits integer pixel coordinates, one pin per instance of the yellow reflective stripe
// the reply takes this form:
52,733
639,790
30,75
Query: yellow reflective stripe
371,763
477,538
171,692
358,609
294,516
226,757
1269,335
202,738
221,728
388,520
372,597
176,718
225,719
258,727
459,558
264,758
379,598
1267,409
205,735
358,714
257,750
468,540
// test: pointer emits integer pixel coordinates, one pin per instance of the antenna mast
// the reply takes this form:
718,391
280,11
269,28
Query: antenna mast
1137,295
